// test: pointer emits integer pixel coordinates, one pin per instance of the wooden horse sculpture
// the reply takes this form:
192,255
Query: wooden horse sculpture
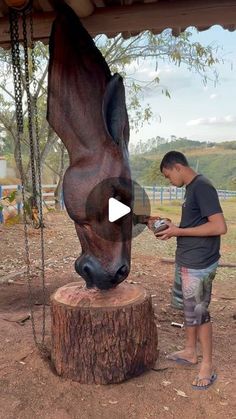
86,108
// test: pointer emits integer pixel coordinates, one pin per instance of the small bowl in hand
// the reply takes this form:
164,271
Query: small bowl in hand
160,225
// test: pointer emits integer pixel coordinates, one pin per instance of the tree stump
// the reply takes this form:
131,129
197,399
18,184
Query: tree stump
102,337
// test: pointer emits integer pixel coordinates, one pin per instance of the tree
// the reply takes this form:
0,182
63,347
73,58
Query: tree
122,53
152,174
8,113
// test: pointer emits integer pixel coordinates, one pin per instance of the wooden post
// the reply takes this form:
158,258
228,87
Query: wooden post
102,337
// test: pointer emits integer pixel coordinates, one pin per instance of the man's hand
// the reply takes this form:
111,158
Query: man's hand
150,220
171,231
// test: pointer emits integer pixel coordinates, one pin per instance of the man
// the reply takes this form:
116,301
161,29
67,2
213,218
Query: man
197,255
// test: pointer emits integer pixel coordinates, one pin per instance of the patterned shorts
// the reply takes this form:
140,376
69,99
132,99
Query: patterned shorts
192,293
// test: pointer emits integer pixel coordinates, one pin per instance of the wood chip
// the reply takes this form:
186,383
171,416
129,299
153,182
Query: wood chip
165,383
228,298
180,393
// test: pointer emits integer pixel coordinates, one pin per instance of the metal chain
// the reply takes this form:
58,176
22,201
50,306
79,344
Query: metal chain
30,120
14,31
15,50
38,169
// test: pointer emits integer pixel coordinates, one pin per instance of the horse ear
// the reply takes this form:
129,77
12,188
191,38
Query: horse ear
77,78
114,110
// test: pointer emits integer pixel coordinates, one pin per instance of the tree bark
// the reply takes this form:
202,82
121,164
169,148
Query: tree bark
102,337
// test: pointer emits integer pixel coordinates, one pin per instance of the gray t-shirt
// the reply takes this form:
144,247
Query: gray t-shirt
201,201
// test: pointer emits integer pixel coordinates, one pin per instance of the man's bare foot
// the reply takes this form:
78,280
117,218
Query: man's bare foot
185,356
204,375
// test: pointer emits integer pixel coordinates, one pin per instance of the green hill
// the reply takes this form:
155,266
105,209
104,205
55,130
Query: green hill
217,161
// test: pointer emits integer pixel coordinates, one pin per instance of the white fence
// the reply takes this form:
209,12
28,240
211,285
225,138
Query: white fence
156,194
162,193
48,194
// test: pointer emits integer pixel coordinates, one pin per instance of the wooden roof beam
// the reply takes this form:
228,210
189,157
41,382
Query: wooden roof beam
140,17
83,8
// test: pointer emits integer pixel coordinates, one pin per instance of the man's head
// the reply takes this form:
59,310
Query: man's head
175,168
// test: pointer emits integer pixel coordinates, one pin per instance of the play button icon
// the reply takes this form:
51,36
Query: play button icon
116,210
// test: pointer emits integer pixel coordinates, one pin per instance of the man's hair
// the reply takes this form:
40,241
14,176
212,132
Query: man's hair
171,158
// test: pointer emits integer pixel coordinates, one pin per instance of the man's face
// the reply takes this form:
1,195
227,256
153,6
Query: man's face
174,175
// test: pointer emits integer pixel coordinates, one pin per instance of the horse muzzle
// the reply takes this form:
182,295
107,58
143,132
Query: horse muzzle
96,276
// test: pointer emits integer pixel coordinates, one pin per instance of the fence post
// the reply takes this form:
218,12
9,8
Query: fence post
19,201
176,193
62,201
170,193
153,194
1,213
161,197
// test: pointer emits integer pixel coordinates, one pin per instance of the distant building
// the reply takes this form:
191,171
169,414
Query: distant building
3,167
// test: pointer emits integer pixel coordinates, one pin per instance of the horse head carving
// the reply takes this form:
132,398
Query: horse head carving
86,108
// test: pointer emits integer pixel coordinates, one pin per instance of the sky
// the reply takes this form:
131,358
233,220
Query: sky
195,111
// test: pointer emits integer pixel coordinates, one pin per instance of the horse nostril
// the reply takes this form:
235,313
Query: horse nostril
123,270
86,270
121,273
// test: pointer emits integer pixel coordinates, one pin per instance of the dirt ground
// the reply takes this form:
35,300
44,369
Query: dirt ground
29,388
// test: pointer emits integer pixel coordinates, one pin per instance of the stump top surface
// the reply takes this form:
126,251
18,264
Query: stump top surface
75,294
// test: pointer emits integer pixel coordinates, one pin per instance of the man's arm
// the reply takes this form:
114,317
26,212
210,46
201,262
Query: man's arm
215,226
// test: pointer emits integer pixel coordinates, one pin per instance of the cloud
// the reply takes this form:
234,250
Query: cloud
213,120
153,74
170,76
213,96
145,73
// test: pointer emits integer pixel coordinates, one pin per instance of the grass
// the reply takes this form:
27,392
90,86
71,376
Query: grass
172,210
229,208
